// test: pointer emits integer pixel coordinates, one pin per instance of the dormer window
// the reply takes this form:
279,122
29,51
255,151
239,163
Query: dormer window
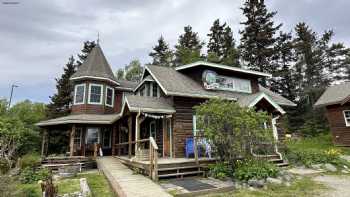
109,96
95,94
79,94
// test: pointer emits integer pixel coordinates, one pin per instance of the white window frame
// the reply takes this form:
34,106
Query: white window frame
347,119
101,97
75,94
109,87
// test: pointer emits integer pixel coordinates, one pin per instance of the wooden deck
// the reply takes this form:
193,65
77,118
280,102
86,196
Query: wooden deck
171,167
125,182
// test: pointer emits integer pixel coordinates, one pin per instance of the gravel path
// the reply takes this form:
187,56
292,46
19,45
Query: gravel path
339,185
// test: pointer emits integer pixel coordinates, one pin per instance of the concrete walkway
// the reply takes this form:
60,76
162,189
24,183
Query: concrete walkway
125,183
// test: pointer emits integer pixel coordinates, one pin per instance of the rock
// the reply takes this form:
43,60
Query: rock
287,177
251,188
273,180
330,167
345,167
316,166
256,183
345,171
287,184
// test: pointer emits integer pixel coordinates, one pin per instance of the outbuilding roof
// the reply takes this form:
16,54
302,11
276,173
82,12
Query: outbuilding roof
95,67
336,94
81,119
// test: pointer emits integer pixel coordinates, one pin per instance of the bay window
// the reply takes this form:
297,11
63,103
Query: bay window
109,96
79,94
95,94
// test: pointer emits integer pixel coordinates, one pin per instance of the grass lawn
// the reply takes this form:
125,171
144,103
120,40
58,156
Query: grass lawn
97,183
319,143
300,188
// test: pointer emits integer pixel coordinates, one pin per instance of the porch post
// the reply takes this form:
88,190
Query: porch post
83,136
114,131
43,143
137,131
119,139
130,135
71,144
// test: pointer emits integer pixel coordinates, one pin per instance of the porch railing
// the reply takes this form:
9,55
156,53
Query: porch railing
153,154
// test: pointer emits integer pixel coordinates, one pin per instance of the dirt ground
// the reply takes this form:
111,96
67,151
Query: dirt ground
339,185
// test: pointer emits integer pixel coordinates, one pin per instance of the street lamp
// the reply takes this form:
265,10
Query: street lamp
12,87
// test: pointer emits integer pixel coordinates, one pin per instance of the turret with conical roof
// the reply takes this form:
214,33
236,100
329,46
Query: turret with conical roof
94,85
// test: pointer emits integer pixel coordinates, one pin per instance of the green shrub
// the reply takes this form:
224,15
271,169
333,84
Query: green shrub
4,166
29,160
31,175
254,169
219,170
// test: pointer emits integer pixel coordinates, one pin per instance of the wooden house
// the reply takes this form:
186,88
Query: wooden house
336,100
155,117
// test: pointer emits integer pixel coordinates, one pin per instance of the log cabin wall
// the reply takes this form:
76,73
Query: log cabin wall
339,130
182,123
196,74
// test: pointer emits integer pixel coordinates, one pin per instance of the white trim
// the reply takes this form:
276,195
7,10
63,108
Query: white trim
101,97
347,123
199,63
142,82
75,93
109,87
263,95
160,85
98,78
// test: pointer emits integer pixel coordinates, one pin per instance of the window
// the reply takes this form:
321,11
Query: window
95,94
233,84
109,96
92,136
77,137
154,90
148,85
347,117
152,129
142,90
106,138
79,94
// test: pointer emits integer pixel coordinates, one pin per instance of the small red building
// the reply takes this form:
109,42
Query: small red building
336,100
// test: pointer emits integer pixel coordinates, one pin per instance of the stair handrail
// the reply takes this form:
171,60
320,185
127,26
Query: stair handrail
153,154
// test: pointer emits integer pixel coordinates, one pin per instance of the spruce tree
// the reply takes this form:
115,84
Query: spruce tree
87,48
188,48
162,55
258,36
221,45
62,99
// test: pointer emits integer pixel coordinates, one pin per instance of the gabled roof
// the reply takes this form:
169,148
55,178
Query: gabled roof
253,99
147,78
148,104
277,98
225,67
95,67
81,119
336,94
126,85
175,83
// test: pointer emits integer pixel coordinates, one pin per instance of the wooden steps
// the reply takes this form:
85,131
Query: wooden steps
276,159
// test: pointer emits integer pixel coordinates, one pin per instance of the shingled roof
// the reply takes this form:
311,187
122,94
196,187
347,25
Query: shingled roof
95,67
148,104
175,83
81,119
336,94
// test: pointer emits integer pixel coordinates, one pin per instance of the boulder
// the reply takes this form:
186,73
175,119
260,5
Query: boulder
330,167
273,180
256,183
345,171
316,166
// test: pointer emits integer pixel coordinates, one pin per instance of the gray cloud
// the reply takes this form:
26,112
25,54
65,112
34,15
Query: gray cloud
37,37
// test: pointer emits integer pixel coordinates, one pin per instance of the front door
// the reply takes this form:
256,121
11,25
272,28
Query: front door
92,138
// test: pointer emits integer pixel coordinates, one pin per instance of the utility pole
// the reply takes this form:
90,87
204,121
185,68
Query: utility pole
12,87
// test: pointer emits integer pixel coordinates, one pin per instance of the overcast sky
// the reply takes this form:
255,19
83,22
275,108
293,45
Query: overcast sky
38,36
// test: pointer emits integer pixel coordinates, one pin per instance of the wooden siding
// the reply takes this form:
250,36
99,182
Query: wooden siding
182,126
339,130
